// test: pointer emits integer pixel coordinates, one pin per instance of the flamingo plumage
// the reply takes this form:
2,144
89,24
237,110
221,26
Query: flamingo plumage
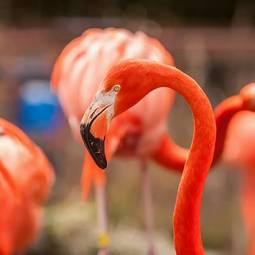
26,177
137,133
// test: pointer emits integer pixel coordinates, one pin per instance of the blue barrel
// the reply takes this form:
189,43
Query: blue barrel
39,111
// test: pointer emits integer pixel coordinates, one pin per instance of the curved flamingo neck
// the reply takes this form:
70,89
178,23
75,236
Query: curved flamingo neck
223,115
147,76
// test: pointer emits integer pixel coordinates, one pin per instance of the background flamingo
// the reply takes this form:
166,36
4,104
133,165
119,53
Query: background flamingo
26,178
127,83
77,75
240,151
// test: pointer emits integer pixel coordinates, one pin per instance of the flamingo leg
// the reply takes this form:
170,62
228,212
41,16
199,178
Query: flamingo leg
148,208
103,238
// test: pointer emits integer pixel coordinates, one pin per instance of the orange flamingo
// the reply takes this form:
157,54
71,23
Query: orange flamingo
125,84
240,151
235,122
77,74
26,177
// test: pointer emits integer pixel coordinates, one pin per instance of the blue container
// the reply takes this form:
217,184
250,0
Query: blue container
39,110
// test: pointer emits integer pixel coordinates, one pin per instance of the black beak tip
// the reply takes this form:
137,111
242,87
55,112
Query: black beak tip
103,165
94,145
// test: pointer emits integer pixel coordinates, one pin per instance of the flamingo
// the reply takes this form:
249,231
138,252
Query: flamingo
26,177
235,122
76,76
240,151
127,83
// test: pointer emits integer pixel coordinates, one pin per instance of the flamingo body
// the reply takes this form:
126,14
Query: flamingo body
26,178
81,68
240,151
240,140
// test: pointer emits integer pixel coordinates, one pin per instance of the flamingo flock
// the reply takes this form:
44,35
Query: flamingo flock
117,89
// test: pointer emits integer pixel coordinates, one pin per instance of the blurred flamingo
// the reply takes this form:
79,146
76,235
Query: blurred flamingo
240,151
26,177
126,84
138,132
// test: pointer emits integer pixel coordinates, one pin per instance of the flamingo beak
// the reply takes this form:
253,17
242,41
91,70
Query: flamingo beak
93,128
95,123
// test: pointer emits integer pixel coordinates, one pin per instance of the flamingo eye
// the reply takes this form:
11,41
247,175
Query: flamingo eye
116,88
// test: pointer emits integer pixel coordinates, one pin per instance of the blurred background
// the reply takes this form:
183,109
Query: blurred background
212,41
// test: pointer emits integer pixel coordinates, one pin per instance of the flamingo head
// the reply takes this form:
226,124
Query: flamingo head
117,93
248,95
95,123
